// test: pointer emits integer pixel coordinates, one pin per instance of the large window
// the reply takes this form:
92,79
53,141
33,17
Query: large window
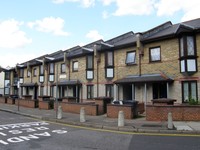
51,68
35,72
51,72
109,64
154,54
189,90
89,67
130,57
90,91
109,90
188,57
41,70
75,66
21,73
63,68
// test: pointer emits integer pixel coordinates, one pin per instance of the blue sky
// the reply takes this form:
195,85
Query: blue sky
31,28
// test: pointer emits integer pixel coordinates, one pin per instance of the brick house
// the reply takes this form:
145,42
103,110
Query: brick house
159,63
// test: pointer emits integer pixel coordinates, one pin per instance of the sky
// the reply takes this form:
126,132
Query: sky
32,28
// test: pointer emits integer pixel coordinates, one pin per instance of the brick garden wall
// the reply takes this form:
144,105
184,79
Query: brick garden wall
90,108
3,100
179,112
27,103
113,110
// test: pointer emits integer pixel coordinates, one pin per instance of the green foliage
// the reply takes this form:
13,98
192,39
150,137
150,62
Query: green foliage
193,101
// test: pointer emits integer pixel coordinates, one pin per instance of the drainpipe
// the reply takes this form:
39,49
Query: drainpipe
139,49
97,61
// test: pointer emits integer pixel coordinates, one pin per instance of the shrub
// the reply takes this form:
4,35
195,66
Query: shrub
193,101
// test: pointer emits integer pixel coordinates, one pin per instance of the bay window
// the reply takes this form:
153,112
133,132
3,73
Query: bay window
188,57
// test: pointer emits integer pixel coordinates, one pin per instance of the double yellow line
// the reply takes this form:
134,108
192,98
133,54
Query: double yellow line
124,132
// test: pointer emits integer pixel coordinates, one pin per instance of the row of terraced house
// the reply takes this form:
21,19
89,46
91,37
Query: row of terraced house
161,63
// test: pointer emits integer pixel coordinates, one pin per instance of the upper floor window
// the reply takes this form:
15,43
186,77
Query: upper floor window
109,64
75,66
154,54
21,73
7,75
63,68
130,57
51,68
188,57
35,72
28,73
89,67
41,70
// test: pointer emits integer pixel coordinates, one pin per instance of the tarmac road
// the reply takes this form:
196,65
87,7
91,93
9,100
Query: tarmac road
21,133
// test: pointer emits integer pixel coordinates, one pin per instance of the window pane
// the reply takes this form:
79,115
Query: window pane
155,54
185,91
110,59
191,65
110,73
51,68
193,90
181,47
89,74
130,58
41,78
75,65
190,45
51,78
63,68
41,69
90,62
182,65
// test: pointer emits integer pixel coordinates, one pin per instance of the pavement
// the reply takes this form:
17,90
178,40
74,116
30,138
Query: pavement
103,122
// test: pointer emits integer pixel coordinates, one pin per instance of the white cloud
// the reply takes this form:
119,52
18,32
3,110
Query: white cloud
134,7
107,2
94,35
84,3
11,36
190,8
15,58
49,25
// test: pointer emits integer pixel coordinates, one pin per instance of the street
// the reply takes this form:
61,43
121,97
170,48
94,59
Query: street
19,132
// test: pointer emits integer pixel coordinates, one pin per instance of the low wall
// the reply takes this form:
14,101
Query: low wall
179,112
113,110
45,105
3,99
27,103
10,101
90,108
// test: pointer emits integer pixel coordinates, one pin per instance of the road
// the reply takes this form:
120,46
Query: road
22,133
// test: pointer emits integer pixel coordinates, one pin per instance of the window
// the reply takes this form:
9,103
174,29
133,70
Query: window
35,72
63,68
109,64
41,91
189,90
51,68
21,73
89,67
90,92
51,91
130,57
109,90
154,54
188,57
41,70
75,66
7,75
28,73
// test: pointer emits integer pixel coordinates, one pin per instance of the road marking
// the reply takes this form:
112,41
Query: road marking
124,132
